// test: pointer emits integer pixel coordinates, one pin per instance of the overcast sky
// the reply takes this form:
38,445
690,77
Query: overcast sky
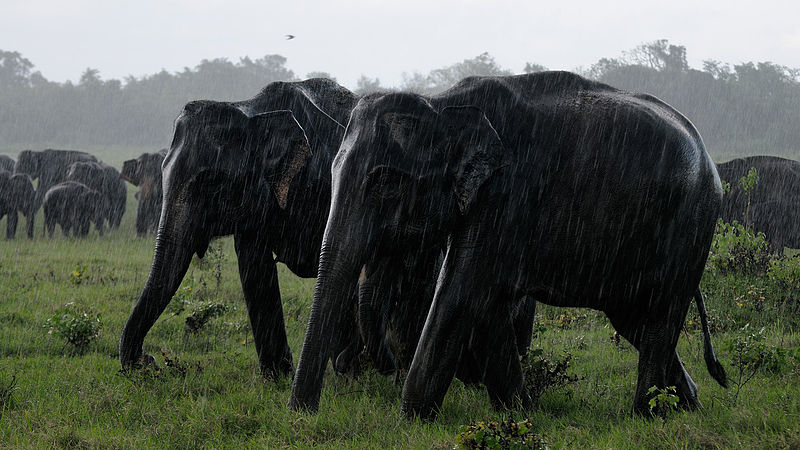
384,39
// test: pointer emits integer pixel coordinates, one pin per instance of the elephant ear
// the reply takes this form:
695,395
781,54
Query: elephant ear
473,142
283,148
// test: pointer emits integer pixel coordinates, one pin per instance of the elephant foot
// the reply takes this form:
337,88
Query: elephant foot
425,411
276,370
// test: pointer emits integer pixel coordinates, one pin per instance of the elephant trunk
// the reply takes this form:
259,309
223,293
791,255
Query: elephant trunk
170,263
333,304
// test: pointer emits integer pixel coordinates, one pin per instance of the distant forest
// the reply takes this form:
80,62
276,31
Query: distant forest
748,108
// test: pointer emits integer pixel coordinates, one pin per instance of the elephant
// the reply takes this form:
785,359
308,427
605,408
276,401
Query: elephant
104,179
774,202
546,186
49,166
73,206
145,172
6,163
17,195
258,169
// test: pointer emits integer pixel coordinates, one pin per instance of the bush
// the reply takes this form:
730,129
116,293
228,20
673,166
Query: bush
542,374
785,273
204,313
738,249
77,328
503,435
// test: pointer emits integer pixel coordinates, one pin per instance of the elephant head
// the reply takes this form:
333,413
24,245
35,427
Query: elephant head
145,172
223,170
404,175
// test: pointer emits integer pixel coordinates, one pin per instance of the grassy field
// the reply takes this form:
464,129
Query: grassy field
211,394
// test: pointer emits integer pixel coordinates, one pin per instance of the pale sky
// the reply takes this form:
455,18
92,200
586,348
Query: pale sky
384,39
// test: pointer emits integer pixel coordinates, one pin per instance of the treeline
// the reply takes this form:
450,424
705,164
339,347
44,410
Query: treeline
748,108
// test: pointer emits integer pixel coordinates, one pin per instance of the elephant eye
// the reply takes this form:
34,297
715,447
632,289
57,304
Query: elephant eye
384,183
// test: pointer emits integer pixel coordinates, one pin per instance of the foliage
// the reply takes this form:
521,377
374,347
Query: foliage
506,434
542,374
751,353
785,273
202,314
748,183
181,299
77,328
736,248
77,274
662,400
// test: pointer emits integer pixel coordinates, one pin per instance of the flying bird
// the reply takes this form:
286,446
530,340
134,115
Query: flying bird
289,37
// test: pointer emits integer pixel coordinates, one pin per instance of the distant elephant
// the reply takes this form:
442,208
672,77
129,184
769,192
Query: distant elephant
73,206
17,195
774,202
258,169
6,163
145,172
107,181
49,166
545,186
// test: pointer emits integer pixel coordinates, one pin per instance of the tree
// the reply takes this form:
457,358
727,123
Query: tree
15,70
366,85
318,74
533,68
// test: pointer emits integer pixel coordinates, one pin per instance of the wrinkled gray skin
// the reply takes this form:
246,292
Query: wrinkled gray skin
17,195
258,169
73,206
104,179
145,173
774,202
7,163
545,185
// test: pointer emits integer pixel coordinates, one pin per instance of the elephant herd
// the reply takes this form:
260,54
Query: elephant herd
433,225
75,189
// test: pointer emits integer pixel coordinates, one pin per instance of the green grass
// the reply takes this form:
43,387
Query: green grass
66,399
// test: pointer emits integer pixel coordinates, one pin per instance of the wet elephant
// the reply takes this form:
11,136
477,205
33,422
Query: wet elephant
145,173
49,166
258,169
106,180
74,207
545,186
774,202
17,195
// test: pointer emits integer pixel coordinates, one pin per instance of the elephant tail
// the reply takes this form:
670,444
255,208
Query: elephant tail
712,363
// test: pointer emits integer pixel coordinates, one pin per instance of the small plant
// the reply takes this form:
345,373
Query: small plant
204,313
174,363
542,374
737,248
181,299
750,354
500,435
785,273
77,274
662,401
748,183
570,317
77,328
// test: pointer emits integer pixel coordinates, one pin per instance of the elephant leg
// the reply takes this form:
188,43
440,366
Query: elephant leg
462,300
141,220
656,337
259,277
523,316
29,223
99,226
50,224
376,291
11,225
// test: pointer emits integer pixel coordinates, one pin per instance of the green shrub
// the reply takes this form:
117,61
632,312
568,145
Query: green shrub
736,248
662,401
750,354
77,328
181,299
542,374
503,435
785,273
204,313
